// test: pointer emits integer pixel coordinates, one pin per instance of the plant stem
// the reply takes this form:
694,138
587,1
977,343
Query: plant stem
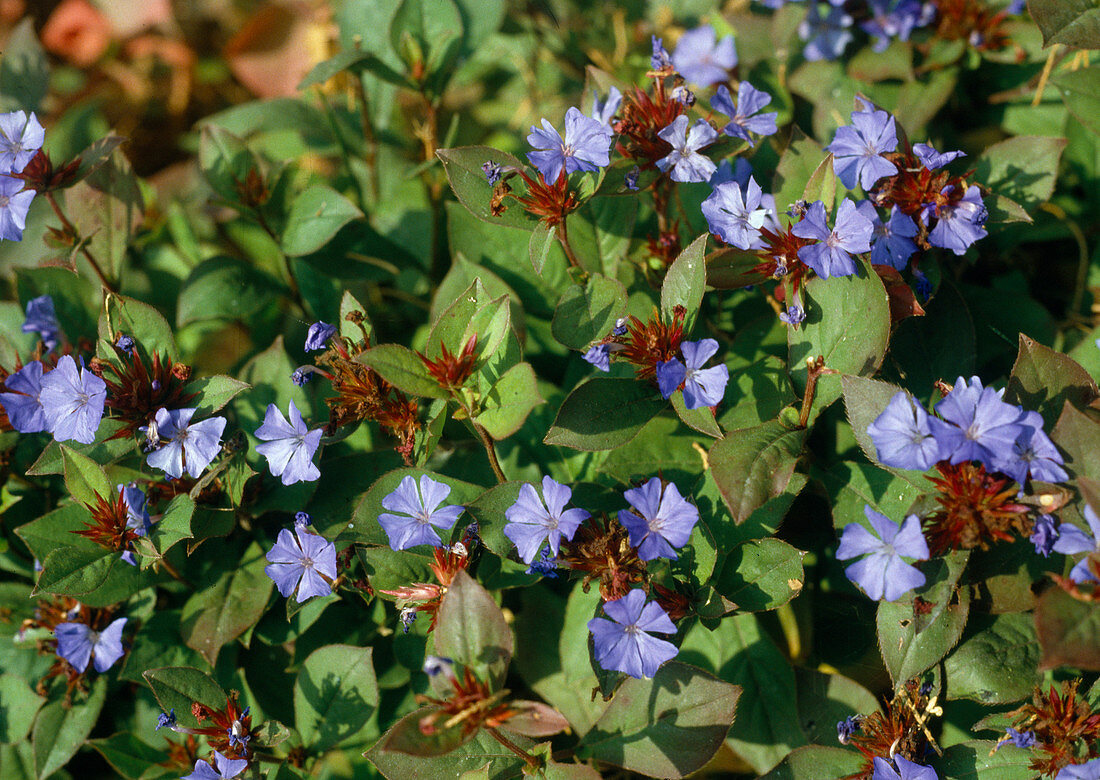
563,236
71,229
490,450
815,367
528,759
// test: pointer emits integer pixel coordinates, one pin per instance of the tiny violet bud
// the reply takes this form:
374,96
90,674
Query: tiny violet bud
793,316
300,377
491,171
683,95
846,728
435,665
621,330
546,565
318,335
631,178
798,209
1021,739
166,720
407,618
301,519
599,355
126,344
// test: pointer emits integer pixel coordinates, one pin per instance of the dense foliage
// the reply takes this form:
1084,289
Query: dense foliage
557,389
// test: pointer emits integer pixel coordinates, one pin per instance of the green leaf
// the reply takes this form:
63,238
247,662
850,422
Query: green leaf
753,465
449,758
506,406
212,393
1081,92
356,62
85,479
976,760
18,706
1044,381
1023,168
403,369
222,611
463,168
60,729
223,288
76,571
128,755
997,663
825,699
685,282
543,238
335,697
822,184
178,687
864,401
756,393
701,419
175,524
140,321
106,208
1078,435
1071,22
604,413
797,165
471,630
316,216
848,323
1069,631
909,644
406,737
738,652
811,762
475,312
96,155
761,574
587,313
668,726
940,345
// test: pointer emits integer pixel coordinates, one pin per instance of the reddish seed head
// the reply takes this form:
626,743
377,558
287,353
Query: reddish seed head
641,117
449,370
976,509
108,526
649,343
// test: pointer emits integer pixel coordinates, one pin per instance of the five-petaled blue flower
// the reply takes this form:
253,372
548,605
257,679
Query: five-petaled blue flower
622,644
702,386
831,255
42,319
981,427
734,215
420,509
22,405
883,574
1072,540
662,519
227,768
185,446
892,19
15,202
318,335
77,643
684,159
858,148
906,770
1034,454
532,522
584,148
703,59
21,137
892,241
746,117
932,159
825,36
72,401
960,224
903,435
298,560
288,446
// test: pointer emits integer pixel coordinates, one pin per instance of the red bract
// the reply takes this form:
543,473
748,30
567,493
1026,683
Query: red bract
976,509
1067,731
551,203
425,596
231,720
649,343
450,370
973,21
108,526
780,256
604,553
472,705
136,391
900,730
641,117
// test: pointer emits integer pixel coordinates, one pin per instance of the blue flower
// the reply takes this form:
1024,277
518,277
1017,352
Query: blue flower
42,320
903,435
831,255
740,170
166,720
702,386
1044,535
1090,770
892,241
20,139
22,405
684,159
622,644
794,315
825,37
630,181
1033,454
420,509
301,376
491,171
906,770
734,215
659,59
77,643
288,446
604,112
702,59
858,148
318,335
883,574
546,565
599,355
932,159
661,520
185,446
531,521
126,344
1021,739
137,516
892,19
1072,540
15,202
745,118
982,426
961,224
72,401
300,562
227,768
584,148
847,727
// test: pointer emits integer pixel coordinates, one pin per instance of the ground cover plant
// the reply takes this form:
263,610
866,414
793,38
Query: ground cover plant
481,389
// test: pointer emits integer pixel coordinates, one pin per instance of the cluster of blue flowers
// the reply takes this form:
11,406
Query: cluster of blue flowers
21,137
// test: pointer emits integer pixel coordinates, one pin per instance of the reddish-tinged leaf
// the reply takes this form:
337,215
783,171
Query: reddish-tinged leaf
535,719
